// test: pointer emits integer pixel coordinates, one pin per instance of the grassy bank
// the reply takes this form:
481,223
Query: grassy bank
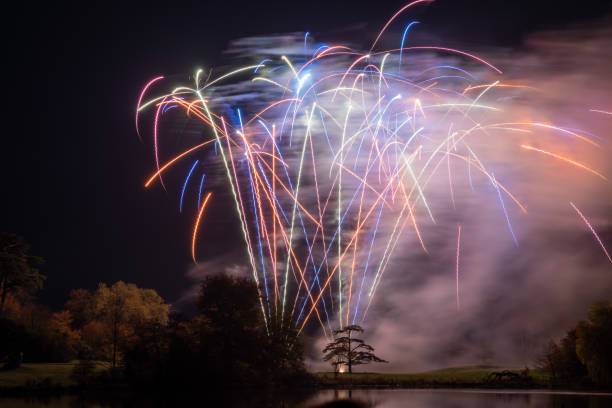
470,376
30,374
47,375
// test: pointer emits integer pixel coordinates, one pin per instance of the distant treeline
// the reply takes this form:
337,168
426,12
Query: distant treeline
226,344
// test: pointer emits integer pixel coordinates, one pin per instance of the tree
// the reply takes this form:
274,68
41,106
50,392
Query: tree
228,343
81,307
61,323
570,367
594,343
349,351
561,361
548,359
230,325
96,344
123,306
285,352
164,356
17,276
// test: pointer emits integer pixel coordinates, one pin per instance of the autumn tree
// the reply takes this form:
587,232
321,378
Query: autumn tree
122,306
81,306
96,341
61,323
17,275
349,351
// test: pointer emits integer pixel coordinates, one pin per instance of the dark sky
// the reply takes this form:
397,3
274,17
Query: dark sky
72,165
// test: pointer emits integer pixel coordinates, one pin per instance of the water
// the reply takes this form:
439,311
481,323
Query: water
455,398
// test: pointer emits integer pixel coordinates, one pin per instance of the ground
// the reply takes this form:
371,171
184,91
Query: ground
454,375
58,373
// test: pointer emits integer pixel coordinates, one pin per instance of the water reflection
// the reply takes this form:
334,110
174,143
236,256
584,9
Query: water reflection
330,399
463,399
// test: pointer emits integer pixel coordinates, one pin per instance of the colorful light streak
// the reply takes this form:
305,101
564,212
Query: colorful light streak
334,151
588,224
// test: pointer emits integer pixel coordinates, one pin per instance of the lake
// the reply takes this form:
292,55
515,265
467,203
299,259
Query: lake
395,398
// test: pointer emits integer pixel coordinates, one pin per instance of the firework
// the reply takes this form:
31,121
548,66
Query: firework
321,146
588,224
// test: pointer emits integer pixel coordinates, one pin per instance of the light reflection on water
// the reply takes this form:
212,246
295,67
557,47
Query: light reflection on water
466,398
431,398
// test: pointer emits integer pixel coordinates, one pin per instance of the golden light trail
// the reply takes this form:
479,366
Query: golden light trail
197,225
171,162
565,159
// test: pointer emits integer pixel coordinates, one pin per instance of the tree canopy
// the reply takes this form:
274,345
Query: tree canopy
349,351
125,303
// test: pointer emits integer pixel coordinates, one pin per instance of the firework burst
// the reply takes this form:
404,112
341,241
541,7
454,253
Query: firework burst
325,143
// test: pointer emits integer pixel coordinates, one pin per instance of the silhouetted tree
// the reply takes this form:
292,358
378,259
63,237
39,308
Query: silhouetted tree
570,367
349,351
284,358
17,275
164,356
561,360
230,326
548,359
227,344
594,343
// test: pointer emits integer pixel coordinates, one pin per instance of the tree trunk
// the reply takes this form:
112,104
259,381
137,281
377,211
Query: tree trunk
3,297
114,344
349,358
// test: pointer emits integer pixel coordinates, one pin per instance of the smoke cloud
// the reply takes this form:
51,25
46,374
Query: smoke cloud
525,274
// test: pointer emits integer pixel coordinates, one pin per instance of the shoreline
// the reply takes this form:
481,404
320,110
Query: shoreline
46,379
56,390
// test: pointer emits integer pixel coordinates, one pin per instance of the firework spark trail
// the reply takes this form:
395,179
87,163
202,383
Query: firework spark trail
155,142
185,185
399,64
400,11
255,205
297,192
200,188
503,206
600,111
196,226
320,232
142,94
336,232
592,230
457,269
299,215
365,268
567,160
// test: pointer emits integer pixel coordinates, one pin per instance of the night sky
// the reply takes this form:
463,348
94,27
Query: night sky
72,166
